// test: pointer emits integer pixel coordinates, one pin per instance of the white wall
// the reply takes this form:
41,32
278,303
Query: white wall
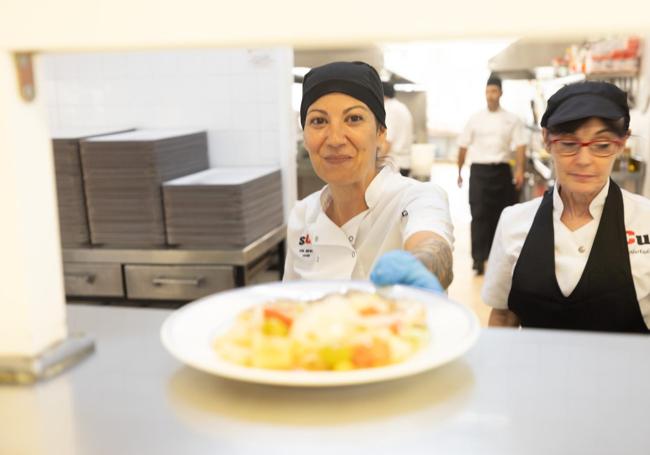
242,97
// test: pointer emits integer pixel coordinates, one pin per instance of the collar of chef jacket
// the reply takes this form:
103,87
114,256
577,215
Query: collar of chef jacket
595,208
325,230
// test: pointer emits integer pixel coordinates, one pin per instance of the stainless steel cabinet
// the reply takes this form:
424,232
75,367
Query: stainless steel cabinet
167,274
90,279
176,282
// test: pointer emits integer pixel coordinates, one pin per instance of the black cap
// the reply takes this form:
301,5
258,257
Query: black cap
586,99
356,79
389,89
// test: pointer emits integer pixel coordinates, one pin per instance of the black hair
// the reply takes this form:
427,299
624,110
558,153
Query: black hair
619,127
494,79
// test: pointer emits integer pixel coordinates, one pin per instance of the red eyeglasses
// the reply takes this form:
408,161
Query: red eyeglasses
597,147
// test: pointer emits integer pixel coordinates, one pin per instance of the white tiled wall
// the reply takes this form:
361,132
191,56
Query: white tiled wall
242,97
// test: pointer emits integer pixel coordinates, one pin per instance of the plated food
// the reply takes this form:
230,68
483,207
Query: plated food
192,332
340,332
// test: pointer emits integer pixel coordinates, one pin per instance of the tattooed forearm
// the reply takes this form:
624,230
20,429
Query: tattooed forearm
435,253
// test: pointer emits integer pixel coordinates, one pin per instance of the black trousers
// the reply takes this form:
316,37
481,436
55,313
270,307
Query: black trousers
490,191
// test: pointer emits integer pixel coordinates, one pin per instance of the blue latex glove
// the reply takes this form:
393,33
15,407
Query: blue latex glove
401,267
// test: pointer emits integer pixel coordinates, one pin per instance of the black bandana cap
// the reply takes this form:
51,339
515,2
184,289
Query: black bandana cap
586,99
356,79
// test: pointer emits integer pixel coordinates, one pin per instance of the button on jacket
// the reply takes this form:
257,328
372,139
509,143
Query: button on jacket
398,207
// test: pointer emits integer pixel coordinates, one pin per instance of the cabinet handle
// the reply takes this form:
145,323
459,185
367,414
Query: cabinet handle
161,281
88,278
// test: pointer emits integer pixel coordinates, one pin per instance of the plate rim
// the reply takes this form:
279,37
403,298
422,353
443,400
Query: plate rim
321,378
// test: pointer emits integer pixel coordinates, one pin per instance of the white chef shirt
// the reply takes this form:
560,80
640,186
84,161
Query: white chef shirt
399,124
398,207
571,248
490,136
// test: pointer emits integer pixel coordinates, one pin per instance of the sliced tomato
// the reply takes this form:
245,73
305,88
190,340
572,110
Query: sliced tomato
371,356
362,356
368,311
277,314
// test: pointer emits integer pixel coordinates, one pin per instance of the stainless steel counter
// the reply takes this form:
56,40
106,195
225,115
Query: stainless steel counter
515,392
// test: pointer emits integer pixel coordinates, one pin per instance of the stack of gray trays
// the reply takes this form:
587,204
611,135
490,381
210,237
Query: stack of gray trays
123,176
223,208
73,221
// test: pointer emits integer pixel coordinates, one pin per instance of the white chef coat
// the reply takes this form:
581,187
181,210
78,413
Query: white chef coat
571,248
490,136
398,207
399,124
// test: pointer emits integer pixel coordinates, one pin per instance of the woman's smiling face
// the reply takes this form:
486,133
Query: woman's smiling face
342,137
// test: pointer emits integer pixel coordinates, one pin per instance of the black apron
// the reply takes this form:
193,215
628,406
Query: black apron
490,191
603,300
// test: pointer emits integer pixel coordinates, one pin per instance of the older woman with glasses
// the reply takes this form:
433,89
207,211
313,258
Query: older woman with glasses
577,258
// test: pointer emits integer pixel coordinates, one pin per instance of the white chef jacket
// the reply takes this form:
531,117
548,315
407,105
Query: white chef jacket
399,124
571,248
490,136
398,207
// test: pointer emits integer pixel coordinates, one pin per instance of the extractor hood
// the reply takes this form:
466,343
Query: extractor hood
519,60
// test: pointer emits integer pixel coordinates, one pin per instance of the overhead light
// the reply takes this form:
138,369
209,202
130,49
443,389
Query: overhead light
300,71
409,88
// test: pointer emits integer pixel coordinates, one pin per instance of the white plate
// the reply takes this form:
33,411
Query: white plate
189,332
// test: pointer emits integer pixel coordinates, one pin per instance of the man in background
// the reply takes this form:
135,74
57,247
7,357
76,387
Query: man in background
399,133
489,136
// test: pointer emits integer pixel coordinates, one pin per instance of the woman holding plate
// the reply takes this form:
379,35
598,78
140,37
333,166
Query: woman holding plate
578,257
368,221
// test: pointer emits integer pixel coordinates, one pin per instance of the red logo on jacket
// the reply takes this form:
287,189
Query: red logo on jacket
304,240
632,238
